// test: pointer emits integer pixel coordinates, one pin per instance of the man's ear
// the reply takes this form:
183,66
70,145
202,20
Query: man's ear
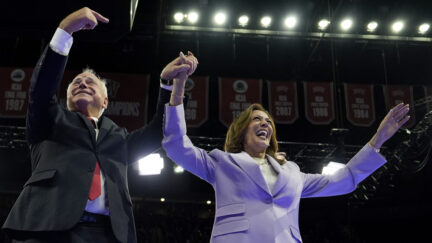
105,103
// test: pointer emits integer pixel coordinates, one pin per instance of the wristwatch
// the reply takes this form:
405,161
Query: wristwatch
166,82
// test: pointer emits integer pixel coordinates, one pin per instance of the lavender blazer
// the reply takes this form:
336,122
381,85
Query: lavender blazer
246,210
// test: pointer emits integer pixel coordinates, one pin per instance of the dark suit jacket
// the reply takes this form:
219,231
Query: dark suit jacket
64,154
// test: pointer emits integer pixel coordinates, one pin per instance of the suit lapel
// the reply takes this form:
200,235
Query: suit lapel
90,127
281,180
105,125
251,168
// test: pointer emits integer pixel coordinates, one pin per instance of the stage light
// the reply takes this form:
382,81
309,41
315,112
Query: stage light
266,21
178,169
371,27
332,167
243,20
290,22
423,28
192,17
220,18
152,164
179,17
323,24
162,199
397,26
346,24
208,202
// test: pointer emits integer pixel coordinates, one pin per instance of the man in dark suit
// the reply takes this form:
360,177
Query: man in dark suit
78,188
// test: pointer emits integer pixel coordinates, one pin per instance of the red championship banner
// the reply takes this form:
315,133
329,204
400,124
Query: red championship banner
127,94
196,112
360,104
283,103
428,97
319,102
235,95
395,94
14,86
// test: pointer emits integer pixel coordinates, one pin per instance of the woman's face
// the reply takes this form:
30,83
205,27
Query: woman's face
258,133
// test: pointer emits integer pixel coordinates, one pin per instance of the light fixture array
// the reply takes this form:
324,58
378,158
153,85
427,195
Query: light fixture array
291,22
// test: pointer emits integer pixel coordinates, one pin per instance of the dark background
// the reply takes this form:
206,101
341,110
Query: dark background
392,212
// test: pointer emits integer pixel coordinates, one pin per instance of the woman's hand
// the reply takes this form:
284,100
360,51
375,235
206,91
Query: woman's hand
394,120
179,70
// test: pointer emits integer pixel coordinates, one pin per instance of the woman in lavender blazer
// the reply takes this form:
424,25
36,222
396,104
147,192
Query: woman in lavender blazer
257,193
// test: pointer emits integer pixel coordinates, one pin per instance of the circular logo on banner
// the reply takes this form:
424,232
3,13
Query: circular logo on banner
240,86
189,85
17,75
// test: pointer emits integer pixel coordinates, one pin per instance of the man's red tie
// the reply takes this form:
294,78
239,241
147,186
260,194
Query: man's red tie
95,189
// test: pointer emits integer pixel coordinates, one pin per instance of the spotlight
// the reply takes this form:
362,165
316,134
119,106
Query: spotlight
323,24
192,17
220,18
290,22
178,169
266,21
208,202
397,26
162,199
152,164
332,167
178,17
346,24
371,27
423,28
243,20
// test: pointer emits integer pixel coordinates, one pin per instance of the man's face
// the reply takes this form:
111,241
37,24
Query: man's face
86,94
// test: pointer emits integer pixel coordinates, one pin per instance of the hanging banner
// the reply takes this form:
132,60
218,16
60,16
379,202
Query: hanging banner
428,97
14,86
196,112
282,99
235,95
395,94
319,103
127,97
360,104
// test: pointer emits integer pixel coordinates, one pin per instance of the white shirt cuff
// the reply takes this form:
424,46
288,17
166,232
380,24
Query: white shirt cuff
167,87
61,42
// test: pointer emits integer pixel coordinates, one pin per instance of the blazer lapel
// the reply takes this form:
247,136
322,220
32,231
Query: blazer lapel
251,168
281,180
90,127
105,126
